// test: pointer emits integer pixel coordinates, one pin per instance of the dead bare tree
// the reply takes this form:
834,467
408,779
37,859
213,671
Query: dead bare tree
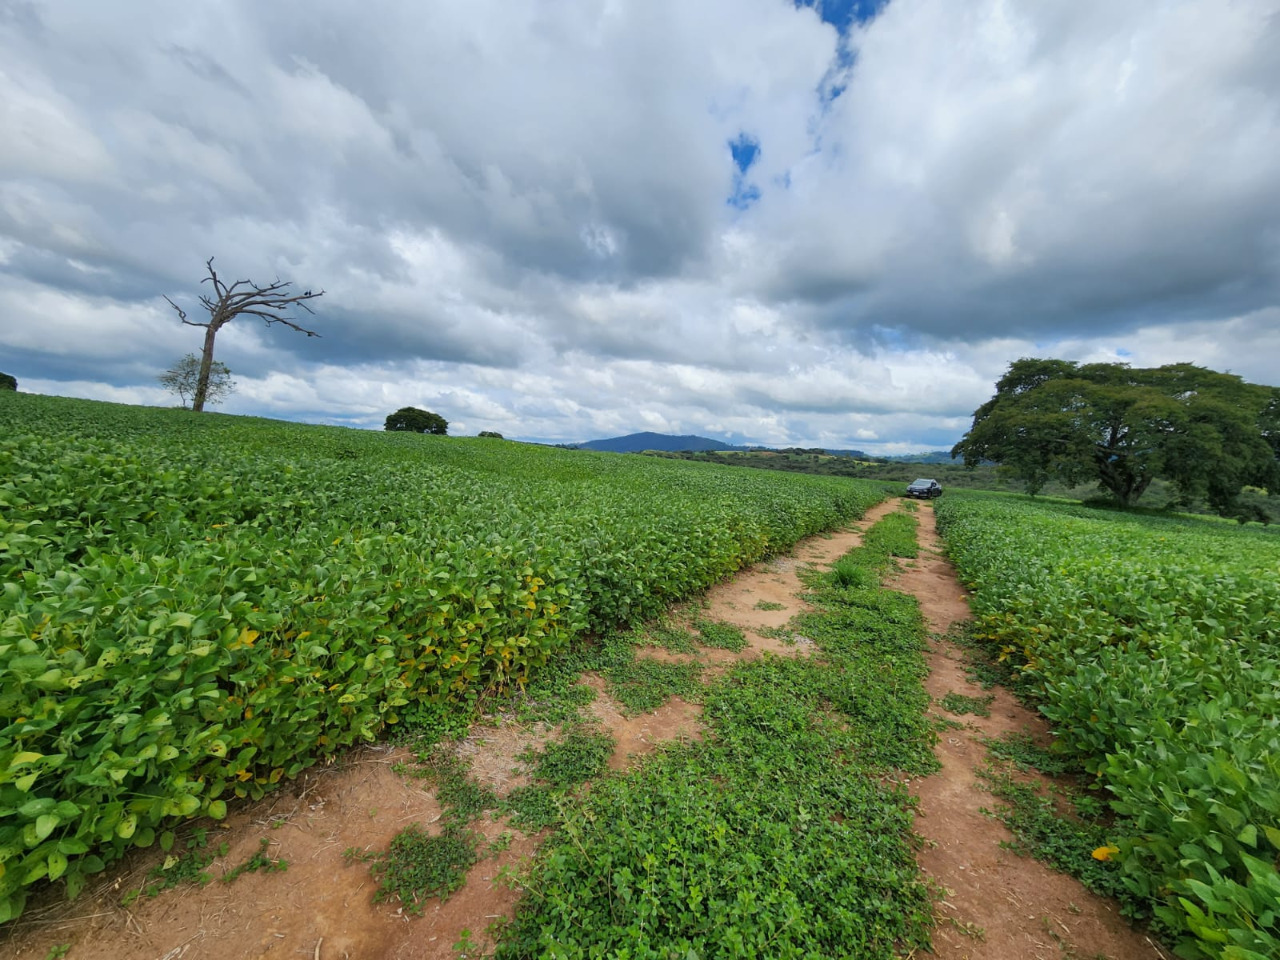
228,302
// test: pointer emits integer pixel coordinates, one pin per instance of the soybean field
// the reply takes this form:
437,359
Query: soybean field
198,607
1151,645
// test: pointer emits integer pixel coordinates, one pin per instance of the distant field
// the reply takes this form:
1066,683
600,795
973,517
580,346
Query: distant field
1153,646
198,606
954,475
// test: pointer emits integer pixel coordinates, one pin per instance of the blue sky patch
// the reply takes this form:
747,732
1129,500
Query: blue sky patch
842,14
745,151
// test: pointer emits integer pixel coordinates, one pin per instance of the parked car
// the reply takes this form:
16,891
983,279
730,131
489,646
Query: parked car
924,489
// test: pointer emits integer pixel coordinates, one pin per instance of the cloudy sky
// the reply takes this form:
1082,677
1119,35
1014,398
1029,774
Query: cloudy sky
758,220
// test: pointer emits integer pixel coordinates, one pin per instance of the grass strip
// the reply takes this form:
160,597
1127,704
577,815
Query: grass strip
777,835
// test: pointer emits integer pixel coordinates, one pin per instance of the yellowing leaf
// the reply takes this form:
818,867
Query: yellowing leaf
1105,853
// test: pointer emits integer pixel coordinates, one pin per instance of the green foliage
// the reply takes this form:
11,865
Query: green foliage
1063,841
460,797
559,768
959,703
535,807
8,382
668,636
1151,644
415,420
196,609
1021,750
1210,433
260,861
720,635
581,754
645,684
769,605
184,376
490,434
777,835
419,865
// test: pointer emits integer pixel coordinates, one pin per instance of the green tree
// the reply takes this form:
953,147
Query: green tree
8,382
492,435
183,379
1209,433
415,420
226,301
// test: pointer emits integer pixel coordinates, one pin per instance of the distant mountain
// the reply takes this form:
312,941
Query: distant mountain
636,442
929,456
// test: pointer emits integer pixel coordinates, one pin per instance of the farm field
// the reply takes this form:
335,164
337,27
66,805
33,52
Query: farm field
201,610
1150,644
197,608
649,858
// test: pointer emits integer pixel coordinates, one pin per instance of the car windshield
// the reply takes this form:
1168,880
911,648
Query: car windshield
921,483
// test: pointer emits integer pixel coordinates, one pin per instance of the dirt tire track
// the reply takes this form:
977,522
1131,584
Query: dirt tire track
1023,909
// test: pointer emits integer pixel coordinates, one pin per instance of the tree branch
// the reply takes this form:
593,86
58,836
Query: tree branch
182,315
271,318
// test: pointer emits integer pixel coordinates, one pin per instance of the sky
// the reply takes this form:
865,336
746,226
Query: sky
795,224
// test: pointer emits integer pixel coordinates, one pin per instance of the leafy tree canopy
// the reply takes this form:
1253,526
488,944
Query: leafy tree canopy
183,380
1209,433
8,382
490,434
417,421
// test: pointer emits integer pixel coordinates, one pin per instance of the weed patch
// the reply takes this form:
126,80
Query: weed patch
667,636
720,635
260,861
1066,843
960,704
643,684
460,797
190,866
419,866
1025,754
582,754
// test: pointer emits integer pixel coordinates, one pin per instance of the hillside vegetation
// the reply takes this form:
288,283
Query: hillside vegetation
196,607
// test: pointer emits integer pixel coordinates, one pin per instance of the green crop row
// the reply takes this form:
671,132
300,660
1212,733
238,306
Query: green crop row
196,607
1152,644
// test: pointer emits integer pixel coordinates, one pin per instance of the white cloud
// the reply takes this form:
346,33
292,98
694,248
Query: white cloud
519,211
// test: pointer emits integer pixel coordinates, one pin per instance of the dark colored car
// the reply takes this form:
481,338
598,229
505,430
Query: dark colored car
924,489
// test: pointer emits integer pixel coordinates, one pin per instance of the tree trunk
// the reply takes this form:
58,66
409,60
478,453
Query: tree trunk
1118,476
206,363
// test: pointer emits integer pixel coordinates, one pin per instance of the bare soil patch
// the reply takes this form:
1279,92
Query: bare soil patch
997,905
320,906
675,720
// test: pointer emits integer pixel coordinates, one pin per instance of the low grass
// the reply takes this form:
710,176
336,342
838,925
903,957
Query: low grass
419,866
1063,834
779,834
643,684
720,635
961,704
